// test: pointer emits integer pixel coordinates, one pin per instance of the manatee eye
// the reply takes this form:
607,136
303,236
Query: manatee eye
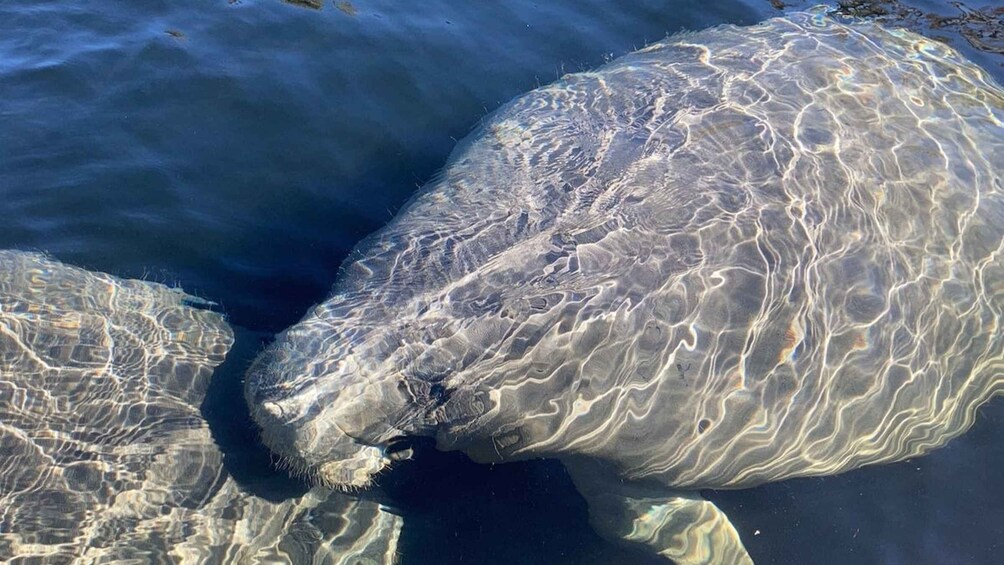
398,449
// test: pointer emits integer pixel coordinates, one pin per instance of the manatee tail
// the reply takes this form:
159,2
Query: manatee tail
680,526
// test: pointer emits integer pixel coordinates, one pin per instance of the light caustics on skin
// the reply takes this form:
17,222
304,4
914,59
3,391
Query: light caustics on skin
735,256
104,456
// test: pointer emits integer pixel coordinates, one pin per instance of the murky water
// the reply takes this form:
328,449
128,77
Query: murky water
241,149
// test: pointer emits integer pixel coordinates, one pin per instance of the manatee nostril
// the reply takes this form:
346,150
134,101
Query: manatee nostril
273,409
398,449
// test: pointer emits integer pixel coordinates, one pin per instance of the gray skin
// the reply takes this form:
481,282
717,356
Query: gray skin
104,454
733,257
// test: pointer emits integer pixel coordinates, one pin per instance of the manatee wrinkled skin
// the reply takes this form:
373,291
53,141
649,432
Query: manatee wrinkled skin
733,257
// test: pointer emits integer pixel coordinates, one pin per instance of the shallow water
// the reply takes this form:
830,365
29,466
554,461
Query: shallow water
242,149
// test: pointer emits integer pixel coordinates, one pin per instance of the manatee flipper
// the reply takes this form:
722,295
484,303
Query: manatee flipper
678,525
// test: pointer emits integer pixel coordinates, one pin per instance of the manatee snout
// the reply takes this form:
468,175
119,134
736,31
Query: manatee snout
324,416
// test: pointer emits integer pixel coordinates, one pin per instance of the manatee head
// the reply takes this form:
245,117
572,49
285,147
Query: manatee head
330,397
342,394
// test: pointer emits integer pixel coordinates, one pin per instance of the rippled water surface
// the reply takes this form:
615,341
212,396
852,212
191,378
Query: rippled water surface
240,149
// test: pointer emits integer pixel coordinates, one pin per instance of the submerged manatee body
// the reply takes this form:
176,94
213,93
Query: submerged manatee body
733,257
104,454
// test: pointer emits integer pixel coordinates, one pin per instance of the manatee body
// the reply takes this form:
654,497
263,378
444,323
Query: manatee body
733,257
104,455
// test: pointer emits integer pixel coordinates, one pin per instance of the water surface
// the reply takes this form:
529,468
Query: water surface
241,149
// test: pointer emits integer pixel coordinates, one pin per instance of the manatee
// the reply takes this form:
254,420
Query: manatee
104,455
733,257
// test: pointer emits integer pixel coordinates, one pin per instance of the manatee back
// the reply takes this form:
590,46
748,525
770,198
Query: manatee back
735,256
104,455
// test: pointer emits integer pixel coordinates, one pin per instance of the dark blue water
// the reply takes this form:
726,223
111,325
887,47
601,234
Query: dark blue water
240,150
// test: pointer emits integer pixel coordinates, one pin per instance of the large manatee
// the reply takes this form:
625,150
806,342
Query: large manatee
733,257
104,455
